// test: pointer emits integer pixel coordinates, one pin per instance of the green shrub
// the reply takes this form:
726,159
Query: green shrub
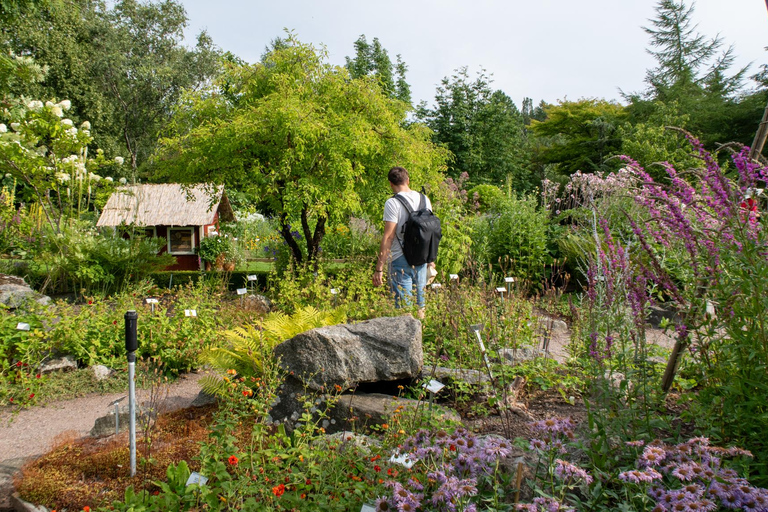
485,197
517,239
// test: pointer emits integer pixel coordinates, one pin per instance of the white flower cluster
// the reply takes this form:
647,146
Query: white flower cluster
119,160
3,128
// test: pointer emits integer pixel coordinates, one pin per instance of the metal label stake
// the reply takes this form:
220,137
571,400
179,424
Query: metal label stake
131,345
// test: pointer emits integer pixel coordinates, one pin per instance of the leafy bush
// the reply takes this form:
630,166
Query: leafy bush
82,260
21,352
517,239
485,197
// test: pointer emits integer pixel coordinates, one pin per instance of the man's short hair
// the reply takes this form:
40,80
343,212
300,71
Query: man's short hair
398,176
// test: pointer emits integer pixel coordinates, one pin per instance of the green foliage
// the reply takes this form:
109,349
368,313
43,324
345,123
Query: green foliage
243,350
21,352
482,128
302,135
484,197
353,239
211,247
582,135
82,260
372,59
123,66
517,239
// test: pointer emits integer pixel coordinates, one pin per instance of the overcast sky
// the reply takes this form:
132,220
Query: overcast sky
544,49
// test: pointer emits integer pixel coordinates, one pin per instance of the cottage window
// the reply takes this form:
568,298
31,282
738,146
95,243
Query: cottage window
181,240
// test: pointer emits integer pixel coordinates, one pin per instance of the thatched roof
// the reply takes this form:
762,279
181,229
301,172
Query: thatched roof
166,205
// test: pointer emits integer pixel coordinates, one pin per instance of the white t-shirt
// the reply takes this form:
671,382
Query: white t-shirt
394,211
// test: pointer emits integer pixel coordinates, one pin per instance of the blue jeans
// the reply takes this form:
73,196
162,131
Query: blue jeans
402,279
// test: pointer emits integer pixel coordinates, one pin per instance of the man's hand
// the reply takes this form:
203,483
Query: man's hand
378,277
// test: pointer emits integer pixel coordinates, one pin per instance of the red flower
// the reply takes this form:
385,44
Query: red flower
377,468
37,376
86,509
18,364
31,395
233,460
750,204
279,490
89,303
452,447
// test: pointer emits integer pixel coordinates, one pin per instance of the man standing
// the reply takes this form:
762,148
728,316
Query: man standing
402,276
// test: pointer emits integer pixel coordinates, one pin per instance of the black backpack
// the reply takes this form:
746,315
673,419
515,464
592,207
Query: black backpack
421,233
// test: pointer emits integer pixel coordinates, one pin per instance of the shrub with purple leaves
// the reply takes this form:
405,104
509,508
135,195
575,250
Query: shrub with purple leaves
451,472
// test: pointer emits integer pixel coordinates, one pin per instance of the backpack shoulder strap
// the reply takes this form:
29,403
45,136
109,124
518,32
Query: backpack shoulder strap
404,201
422,201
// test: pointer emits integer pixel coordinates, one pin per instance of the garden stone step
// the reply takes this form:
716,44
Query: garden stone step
361,410
449,376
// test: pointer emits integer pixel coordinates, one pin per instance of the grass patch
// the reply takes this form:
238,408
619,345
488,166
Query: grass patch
81,382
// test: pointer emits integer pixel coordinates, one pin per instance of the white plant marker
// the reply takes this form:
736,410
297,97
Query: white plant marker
403,460
367,508
196,478
242,291
22,326
436,285
453,276
152,301
509,281
334,291
190,312
434,386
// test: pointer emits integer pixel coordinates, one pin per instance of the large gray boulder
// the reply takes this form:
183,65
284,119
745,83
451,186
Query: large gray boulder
15,293
382,349
364,410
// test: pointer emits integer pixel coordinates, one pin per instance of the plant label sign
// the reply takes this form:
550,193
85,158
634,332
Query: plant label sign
151,300
196,478
434,386
367,508
501,289
242,291
453,276
190,312
22,326
335,291
403,460
436,285
252,277
509,279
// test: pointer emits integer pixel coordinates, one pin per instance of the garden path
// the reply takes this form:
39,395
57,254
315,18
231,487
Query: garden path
32,432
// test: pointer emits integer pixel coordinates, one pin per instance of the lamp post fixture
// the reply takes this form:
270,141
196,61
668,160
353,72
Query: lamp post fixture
131,345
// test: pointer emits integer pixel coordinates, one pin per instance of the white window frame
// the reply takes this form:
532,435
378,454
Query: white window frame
191,230
154,231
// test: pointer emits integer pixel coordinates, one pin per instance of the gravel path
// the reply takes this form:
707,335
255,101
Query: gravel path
32,432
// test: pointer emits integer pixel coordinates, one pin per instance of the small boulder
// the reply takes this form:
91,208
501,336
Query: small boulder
448,376
382,349
15,293
61,364
101,372
365,410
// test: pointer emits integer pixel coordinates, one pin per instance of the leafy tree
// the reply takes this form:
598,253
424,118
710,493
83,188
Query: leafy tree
692,72
372,59
123,68
314,143
582,135
481,127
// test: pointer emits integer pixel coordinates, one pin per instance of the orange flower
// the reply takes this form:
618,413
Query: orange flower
278,490
233,460
385,426
247,393
87,508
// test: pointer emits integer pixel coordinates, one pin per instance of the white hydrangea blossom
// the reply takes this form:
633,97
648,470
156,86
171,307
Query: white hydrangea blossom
72,132
86,125
35,105
65,104
49,104
57,111
119,160
3,128
108,179
15,126
94,177
123,181
67,122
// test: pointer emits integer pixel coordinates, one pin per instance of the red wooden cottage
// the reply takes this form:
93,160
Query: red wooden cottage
181,215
